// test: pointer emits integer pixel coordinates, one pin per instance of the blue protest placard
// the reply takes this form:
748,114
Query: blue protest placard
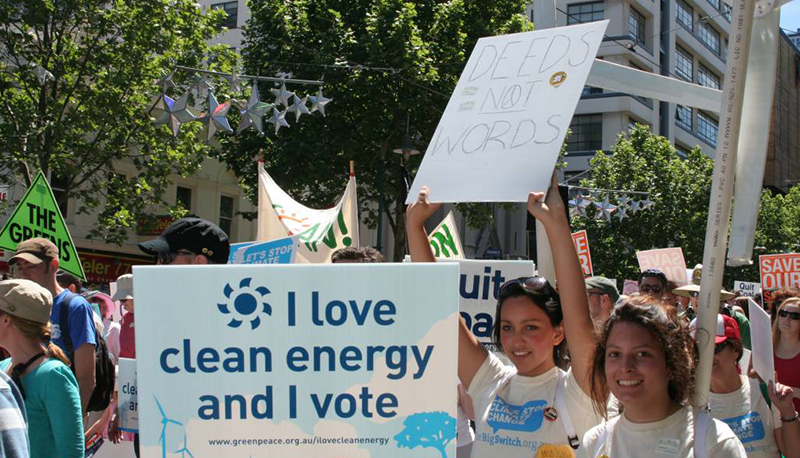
327,361
280,251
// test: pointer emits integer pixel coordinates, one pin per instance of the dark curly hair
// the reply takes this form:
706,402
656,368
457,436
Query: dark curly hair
662,321
546,299
360,254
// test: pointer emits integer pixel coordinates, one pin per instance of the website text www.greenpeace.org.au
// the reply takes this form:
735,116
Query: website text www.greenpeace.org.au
315,440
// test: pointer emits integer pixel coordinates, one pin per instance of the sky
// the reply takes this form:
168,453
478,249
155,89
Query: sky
790,16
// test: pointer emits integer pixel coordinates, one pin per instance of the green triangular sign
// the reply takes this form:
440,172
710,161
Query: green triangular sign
37,215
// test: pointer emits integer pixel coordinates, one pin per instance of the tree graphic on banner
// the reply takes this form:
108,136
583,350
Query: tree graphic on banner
427,429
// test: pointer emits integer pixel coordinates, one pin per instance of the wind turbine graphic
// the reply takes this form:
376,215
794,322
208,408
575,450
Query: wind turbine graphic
184,451
164,422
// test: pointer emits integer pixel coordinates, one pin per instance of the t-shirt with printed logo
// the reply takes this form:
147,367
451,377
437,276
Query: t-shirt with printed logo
751,419
517,416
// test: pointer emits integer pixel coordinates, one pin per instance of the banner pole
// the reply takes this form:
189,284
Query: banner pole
352,168
719,207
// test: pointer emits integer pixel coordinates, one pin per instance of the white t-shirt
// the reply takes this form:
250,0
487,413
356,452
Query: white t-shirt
751,419
516,415
672,437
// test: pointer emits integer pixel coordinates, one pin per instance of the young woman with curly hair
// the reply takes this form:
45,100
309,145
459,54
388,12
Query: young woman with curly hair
645,358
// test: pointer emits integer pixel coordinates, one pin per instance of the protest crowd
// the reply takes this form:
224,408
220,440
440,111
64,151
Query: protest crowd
612,374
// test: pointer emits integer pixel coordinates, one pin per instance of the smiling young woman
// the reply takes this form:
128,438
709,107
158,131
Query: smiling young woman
645,358
534,408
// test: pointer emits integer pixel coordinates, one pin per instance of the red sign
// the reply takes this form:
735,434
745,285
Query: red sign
779,271
581,242
105,268
668,260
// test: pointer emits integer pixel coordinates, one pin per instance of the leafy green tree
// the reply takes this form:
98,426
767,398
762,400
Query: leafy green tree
389,66
77,79
680,189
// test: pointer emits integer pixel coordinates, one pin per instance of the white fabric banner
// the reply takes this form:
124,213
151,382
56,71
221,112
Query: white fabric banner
445,241
321,232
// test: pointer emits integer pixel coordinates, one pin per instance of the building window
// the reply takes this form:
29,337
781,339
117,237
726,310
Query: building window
707,128
683,117
707,78
682,151
231,9
715,4
59,186
226,214
183,197
636,26
587,133
589,90
685,14
684,64
710,37
584,12
727,11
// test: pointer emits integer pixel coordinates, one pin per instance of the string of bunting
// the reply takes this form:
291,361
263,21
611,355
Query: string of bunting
605,204
214,115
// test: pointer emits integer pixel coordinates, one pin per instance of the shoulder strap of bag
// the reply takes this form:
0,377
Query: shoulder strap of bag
63,322
701,420
561,407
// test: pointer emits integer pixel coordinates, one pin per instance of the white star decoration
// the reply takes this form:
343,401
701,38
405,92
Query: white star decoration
282,96
318,102
251,116
215,118
279,119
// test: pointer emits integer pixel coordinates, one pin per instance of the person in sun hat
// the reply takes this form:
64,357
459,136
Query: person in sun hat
40,370
692,291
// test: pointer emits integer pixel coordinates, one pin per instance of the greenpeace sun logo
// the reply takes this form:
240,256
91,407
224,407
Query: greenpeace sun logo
245,303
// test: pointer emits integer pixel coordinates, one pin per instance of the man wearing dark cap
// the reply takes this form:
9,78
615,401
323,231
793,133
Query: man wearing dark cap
603,294
652,282
189,241
36,259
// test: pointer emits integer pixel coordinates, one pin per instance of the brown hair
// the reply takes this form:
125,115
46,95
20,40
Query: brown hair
776,329
662,321
357,255
39,332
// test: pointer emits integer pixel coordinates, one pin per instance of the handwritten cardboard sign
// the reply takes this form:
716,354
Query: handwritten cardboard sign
501,132
668,260
581,242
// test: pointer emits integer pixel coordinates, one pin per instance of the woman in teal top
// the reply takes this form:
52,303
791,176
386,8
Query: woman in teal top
39,368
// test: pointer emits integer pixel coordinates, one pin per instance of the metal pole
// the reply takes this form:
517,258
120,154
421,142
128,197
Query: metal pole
719,209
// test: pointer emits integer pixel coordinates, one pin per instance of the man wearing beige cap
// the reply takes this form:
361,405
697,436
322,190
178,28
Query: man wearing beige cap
37,260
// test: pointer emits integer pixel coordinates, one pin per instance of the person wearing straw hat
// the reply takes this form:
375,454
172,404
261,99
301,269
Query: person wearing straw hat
40,370
692,291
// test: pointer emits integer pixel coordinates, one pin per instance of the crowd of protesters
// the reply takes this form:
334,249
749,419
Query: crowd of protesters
605,374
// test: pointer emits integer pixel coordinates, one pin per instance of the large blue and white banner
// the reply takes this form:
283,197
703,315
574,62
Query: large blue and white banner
338,361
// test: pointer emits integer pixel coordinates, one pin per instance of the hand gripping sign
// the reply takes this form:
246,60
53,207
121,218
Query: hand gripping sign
297,360
502,130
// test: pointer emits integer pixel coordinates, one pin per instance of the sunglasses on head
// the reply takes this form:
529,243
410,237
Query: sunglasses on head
720,346
793,315
535,284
